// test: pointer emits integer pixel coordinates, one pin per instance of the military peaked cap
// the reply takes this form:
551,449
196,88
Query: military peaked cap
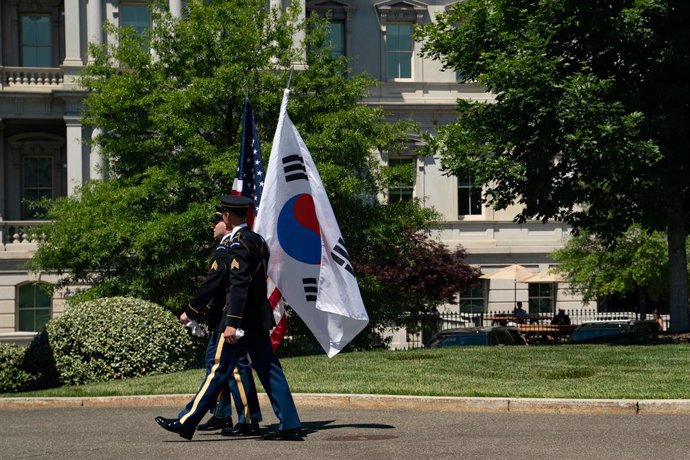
235,202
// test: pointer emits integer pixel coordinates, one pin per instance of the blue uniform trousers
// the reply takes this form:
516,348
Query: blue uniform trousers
241,386
267,367
243,390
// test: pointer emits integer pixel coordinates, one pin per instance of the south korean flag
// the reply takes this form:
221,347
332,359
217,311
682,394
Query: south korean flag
309,260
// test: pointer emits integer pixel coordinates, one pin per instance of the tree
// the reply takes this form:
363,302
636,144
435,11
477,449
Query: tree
169,106
590,122
638,259
414,276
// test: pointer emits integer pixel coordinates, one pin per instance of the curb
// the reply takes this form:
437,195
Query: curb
386,402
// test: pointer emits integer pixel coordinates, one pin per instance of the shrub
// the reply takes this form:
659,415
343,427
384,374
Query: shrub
13,377
116,338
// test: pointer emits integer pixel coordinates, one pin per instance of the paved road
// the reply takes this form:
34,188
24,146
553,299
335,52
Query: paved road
130,433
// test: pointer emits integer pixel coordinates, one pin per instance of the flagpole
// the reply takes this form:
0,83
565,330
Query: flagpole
292,70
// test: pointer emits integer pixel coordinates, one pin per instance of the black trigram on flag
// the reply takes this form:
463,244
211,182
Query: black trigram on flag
311,288
293,167
341,256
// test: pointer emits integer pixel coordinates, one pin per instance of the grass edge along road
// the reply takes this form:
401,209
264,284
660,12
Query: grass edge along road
568,371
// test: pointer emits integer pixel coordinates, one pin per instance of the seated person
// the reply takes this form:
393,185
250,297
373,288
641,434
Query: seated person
519,313
561,319
659,320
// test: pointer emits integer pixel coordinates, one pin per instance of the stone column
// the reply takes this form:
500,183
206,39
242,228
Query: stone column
11,23
73,62
176,8
95,159
2,26
299,36
94,23
2,171
75,157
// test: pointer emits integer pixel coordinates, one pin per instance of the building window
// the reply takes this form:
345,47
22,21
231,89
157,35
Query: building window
396,20
541,297
399,46
472,300
402,187
337,13
336,38
34,307
37,182
137,17
469,197
36,46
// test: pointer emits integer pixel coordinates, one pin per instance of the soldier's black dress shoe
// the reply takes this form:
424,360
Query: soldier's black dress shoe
173,425
292,434
243,429
216,423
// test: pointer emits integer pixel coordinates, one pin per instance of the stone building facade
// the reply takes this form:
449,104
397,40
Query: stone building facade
44,153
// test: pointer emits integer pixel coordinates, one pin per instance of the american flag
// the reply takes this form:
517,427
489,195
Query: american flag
249,182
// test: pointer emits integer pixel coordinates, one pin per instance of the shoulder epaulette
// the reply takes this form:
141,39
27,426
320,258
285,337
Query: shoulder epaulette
223,245
237,240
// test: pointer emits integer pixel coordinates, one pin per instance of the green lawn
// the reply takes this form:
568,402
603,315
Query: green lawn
568,371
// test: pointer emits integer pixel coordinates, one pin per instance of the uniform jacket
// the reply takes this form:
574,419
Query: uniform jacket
210,297
246,304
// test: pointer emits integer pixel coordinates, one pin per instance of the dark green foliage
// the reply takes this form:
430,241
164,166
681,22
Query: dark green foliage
40,362
595,267
170,132
590,123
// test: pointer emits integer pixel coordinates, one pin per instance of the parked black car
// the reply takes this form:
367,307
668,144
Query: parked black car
492,335
620,332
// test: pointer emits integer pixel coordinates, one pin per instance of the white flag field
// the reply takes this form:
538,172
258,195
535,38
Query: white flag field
309,262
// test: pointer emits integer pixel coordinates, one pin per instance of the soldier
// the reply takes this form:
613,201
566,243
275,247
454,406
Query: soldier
241,385
245,325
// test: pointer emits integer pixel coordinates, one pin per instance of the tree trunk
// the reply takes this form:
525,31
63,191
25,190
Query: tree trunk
678,275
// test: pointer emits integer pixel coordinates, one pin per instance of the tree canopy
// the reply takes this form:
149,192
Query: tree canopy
169,107
590,121
637,260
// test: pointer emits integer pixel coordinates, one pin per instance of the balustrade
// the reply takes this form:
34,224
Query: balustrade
18,233
32,77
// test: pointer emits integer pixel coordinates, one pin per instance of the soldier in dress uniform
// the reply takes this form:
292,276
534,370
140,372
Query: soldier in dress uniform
241,386
245,324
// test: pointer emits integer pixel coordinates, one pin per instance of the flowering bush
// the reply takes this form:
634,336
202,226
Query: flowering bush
116,338
12,376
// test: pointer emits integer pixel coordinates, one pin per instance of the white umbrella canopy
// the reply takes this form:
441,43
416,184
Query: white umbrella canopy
516,273
546,277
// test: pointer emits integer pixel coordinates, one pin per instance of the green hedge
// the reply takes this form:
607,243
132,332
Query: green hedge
13,377
109,338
